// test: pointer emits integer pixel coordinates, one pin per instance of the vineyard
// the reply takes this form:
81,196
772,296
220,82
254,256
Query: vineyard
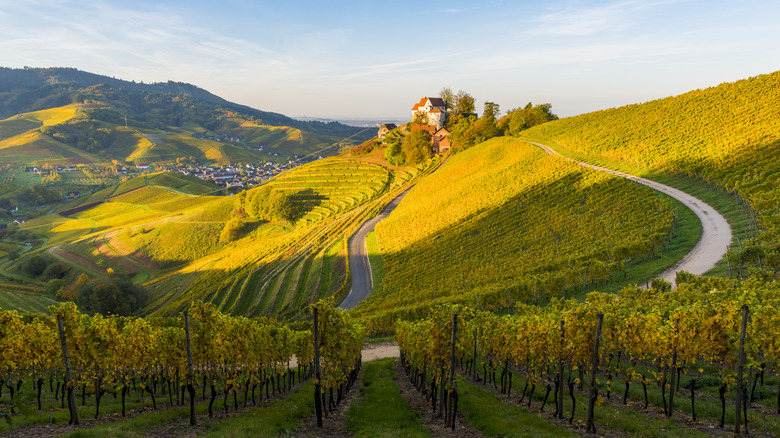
726,135
163,363
718,335
505,222
275,267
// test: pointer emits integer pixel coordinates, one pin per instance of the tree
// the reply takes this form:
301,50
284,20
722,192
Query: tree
483,129
491,111
520,119
420,118
417,147
394,155
55,286
232,230
33,266
54,270
283,207
464,103
448,97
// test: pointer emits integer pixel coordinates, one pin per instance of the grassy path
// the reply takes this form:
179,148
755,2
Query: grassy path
381,411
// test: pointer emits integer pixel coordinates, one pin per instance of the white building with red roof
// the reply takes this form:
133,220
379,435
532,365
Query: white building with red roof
434,108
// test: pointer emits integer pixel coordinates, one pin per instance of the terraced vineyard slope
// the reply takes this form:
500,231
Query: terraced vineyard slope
275,266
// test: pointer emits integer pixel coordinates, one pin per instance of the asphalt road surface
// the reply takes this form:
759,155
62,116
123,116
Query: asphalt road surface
362,280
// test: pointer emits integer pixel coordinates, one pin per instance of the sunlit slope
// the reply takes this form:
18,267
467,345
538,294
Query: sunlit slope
24,139
277,139
274,267
503,219
119,208
729,134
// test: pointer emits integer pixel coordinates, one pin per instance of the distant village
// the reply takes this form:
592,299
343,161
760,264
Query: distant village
240,176
243,176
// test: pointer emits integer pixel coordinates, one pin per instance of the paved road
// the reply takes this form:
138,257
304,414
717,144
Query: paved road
362,280
716,232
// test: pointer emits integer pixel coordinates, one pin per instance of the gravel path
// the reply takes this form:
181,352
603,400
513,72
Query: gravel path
716,232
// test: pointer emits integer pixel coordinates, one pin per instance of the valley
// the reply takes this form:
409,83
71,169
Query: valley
511,253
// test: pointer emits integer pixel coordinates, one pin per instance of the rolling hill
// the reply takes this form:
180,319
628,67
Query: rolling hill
727,136
65,116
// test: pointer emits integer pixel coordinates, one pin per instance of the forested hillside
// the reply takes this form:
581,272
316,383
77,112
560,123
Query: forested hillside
34,89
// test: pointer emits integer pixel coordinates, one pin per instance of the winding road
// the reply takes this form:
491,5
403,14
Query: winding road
362,279
716,232
711,248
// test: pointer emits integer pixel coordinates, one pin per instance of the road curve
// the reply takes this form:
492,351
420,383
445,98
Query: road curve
716,232
362,280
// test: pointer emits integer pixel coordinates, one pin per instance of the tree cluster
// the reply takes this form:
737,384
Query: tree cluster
114,296
40,195
264,203
81,134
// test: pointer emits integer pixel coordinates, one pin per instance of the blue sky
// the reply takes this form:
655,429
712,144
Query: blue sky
367,59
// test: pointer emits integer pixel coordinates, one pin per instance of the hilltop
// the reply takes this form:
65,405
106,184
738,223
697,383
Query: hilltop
34,89
66,116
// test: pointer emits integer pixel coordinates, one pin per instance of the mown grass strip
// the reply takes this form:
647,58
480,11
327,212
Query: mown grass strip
490,415
382,411
279,418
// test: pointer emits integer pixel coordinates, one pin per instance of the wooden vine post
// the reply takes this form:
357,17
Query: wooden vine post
740,368
74,411
190,376
594,366
559,408
670,411
452,394
318,386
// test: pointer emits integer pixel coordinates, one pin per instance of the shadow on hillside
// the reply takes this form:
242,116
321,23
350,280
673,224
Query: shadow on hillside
561,226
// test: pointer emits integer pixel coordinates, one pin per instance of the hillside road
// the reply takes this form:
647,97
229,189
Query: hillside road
362,280
716,232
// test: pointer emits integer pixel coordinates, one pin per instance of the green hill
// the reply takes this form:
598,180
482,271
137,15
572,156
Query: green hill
33,89
65,116
504,221
275,266
726,135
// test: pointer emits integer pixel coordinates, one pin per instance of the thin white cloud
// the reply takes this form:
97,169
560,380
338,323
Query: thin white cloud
588,19
454,10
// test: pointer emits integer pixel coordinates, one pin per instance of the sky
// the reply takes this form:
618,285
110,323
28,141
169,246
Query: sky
375,60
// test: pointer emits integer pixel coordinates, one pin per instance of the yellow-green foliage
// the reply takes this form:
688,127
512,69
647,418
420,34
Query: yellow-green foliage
162,199
261,272
280,139
187,184
728,134
504,215
332,185
22,142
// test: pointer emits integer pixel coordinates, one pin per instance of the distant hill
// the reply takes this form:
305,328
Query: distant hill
33,89
66,116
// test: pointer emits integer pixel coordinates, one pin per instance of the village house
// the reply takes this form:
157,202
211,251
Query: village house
441,141
385,129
